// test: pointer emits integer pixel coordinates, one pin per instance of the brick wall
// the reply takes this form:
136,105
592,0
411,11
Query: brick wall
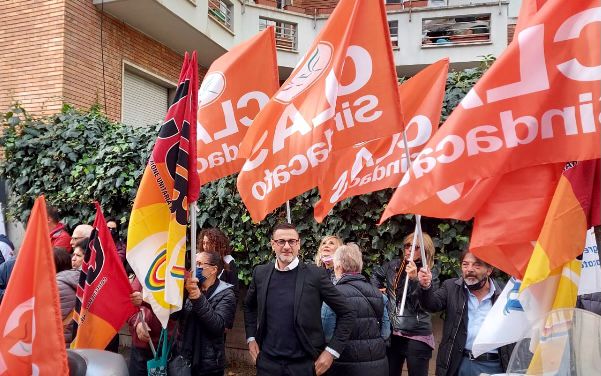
53,55
510,33
31,58
309,5
83,58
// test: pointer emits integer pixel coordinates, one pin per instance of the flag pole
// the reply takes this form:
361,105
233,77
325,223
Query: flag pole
193,239
416,233
404,298
145,327
288,217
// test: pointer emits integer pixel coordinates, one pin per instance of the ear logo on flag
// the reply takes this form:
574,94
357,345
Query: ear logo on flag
310,72
211,88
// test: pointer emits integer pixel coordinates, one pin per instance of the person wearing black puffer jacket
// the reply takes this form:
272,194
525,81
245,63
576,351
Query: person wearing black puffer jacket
365,350
209,309
412,339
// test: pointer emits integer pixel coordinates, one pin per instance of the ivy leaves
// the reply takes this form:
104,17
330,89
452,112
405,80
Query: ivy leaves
73,158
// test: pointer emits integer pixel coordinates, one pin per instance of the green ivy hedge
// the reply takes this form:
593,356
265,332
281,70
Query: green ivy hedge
75,157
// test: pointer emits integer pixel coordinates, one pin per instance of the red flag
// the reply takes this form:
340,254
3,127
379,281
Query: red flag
534,106
103,302
232,93
30,317
380,164
343,92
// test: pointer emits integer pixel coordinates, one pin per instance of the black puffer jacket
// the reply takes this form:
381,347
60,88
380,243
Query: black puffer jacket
415,320
452,298
365,351
202,328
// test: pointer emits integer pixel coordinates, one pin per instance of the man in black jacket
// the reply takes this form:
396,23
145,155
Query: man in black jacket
467,301
282,312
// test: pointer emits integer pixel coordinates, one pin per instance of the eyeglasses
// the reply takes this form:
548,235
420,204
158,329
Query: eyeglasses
282,242
408,246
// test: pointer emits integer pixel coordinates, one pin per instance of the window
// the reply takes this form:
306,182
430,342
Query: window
393,26
145,101
458,30
285,33
221,11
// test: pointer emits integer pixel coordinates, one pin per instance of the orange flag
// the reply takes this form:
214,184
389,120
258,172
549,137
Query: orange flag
536,105
380,164
30,317
233,91
343,92
103,302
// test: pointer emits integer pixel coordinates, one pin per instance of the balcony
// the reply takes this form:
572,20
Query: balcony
285,33
221,11
422,32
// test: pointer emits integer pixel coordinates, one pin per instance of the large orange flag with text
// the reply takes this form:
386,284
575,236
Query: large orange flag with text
30,318
344,91
236,87
536,105
380,164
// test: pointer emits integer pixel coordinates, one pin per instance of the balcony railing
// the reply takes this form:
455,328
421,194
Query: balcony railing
458,30
285,33
221,11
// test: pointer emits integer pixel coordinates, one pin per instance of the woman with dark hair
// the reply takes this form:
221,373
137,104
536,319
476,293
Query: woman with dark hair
207,312
115,229
214,240
66,281
412,339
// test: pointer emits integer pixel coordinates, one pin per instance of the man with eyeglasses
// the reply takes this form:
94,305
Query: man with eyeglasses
466,301
282,312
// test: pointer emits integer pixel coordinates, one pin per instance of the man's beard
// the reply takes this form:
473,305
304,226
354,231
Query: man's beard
285,258
475,285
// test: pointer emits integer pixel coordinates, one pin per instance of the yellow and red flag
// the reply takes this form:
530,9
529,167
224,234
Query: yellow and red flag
103,302
31,327
156,238
574,209
380,164
344,91
236,87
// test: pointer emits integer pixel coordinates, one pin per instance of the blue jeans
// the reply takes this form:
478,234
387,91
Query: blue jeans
476,367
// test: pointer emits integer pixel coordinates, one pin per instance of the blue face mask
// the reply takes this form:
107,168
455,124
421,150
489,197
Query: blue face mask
201,278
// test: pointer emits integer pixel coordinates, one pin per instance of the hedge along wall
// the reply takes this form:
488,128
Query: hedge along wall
75,157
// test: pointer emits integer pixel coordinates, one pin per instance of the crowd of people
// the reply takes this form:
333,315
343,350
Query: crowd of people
323,317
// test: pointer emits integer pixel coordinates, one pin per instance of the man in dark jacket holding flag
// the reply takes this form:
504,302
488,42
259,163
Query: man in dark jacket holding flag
466,301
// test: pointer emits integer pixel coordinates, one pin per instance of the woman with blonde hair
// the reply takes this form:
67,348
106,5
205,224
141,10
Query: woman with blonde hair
412,339
325,253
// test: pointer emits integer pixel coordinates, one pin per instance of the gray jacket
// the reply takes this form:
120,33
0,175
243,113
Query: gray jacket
67,281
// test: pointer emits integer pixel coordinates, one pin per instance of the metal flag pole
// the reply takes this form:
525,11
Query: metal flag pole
288,217
404,298
145,327
416,233
193,210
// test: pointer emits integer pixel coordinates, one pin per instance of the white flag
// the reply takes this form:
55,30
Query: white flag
505,323
590,279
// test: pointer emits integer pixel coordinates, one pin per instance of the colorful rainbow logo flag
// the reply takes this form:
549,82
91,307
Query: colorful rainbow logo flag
156,238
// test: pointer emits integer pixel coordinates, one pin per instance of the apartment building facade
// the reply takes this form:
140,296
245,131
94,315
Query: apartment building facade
126,54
